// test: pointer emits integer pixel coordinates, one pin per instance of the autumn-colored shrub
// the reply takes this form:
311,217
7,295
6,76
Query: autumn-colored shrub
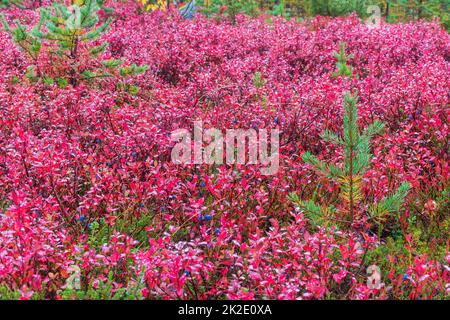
86,177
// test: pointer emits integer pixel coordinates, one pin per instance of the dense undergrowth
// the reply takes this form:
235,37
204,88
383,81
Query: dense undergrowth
86,178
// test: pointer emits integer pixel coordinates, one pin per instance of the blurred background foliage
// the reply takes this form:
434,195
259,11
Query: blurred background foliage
391,10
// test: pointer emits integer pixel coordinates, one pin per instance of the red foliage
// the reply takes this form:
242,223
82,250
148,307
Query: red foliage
69,157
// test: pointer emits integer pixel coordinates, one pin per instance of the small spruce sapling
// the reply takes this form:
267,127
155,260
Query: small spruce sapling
349,174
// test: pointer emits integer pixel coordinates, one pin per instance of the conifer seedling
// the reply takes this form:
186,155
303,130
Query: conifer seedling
349,174
62,30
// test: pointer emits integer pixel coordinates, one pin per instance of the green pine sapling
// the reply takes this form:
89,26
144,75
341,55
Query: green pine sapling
343,69
68,35
349,174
